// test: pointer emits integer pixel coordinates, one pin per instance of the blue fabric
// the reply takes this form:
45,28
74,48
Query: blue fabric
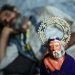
17,41
68,67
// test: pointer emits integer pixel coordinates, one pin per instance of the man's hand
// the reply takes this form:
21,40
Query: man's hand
7,30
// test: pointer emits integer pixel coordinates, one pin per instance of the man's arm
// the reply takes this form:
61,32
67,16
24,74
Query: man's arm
3,40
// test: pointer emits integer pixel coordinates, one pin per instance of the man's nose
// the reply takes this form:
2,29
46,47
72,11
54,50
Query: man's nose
54,48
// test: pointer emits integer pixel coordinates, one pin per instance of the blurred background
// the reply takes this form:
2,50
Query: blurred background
68,6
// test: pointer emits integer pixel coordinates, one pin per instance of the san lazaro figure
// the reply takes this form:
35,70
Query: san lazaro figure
56,61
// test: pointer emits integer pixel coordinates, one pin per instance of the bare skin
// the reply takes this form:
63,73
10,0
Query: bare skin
5,36
4,39
8,16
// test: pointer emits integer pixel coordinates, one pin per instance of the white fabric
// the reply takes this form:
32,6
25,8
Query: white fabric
53,33
50,11
71,51
11,54
35,43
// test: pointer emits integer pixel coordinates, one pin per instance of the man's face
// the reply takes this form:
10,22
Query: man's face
55,49
55,45
7,16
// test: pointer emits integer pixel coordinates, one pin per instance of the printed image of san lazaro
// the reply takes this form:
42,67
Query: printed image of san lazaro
56,32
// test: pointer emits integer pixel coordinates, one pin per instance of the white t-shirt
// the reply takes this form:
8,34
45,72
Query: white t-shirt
11,54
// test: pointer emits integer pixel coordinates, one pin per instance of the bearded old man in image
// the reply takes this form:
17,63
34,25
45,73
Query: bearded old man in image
56,61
